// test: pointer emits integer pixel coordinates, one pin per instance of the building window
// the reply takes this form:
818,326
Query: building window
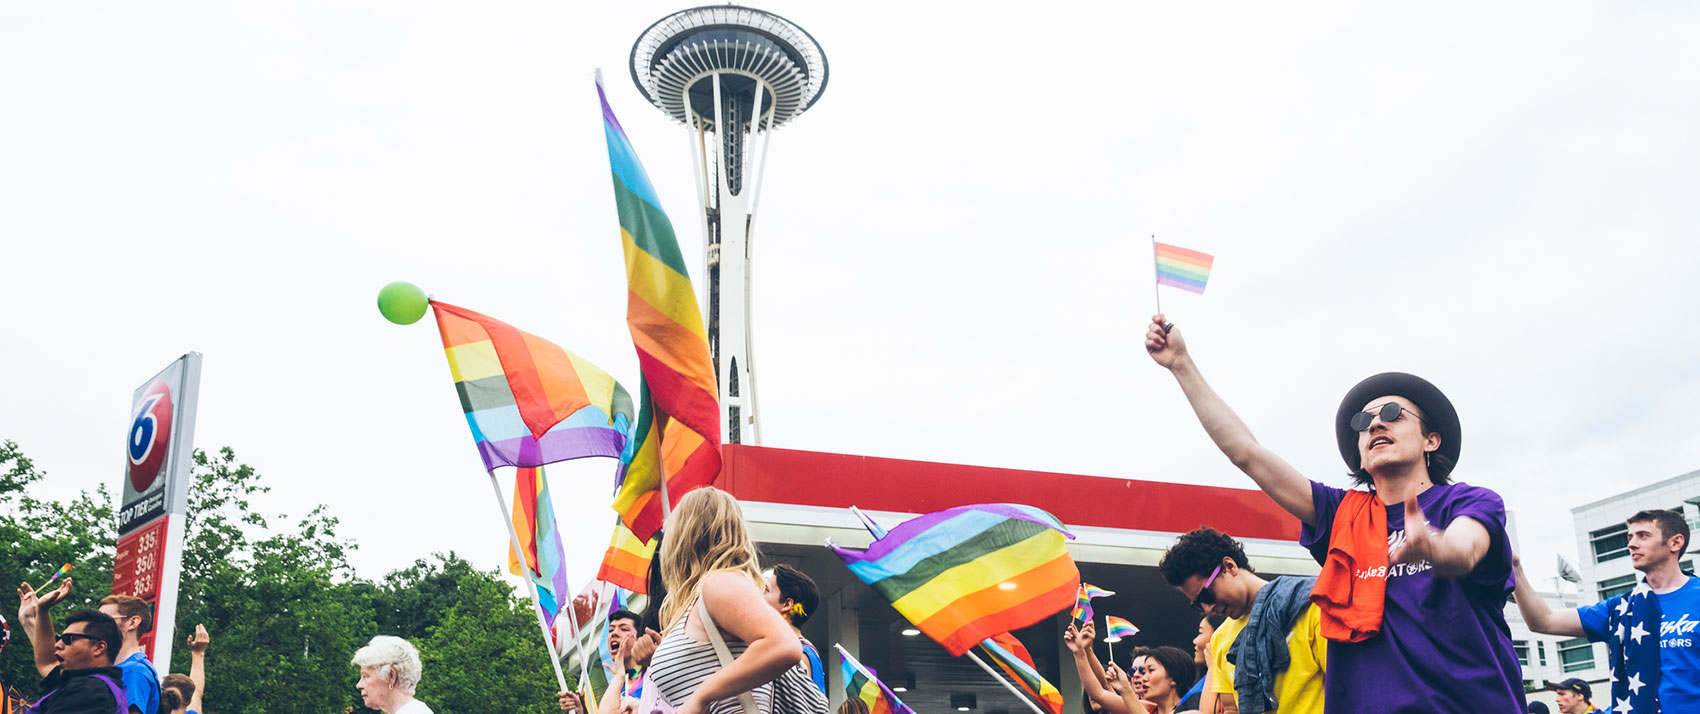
1610,543
1522,647
1617,586
1577,654
1541,647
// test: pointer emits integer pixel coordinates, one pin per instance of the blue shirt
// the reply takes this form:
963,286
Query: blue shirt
141,683
1679,643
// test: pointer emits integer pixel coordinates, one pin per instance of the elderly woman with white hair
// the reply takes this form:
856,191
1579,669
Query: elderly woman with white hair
389,672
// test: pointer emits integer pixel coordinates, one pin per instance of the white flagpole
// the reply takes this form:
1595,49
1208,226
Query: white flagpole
513,536
1018,693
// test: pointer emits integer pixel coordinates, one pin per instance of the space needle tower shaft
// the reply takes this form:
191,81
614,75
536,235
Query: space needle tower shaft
731,75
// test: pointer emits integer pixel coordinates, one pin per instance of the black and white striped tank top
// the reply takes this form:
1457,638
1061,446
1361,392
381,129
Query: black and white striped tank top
680,665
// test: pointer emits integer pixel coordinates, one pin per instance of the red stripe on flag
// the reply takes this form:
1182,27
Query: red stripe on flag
525,519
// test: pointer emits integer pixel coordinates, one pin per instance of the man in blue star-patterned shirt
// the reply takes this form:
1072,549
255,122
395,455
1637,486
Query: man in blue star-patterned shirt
1651,630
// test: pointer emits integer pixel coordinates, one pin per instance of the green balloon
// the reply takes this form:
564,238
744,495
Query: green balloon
402,303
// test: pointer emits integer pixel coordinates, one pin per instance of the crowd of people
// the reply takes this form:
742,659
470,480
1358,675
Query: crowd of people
97,663
1406,615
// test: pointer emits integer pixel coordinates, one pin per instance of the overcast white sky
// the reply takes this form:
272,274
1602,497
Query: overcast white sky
952,262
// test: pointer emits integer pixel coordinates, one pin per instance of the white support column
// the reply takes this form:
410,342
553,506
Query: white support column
732,338
844,627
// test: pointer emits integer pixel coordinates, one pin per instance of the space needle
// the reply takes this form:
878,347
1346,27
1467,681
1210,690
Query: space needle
731,75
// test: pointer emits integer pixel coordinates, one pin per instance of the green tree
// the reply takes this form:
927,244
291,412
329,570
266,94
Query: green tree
40,536
285,608
480,645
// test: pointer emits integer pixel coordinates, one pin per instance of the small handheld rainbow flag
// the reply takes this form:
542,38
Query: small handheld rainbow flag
1083,601
1181,268
63,571
1117,629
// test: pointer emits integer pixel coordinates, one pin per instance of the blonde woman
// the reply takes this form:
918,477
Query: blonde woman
707,556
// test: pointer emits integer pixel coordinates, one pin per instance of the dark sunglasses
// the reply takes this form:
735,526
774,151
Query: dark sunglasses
1206,597
70,638
1388,412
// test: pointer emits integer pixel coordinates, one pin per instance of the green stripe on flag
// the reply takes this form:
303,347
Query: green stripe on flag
480,394
649,228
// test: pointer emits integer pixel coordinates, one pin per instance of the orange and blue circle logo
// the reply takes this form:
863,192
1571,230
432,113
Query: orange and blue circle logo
150,436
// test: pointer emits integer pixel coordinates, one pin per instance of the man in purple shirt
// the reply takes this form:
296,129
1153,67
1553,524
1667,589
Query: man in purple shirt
1443,645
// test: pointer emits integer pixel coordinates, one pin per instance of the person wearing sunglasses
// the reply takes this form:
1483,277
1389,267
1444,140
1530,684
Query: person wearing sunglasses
1210,569
1419,625
80,676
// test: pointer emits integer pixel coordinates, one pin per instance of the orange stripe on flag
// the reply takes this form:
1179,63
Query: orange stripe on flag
1039,592
672,346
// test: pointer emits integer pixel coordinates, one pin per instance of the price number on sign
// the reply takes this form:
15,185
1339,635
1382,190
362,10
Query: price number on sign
147,564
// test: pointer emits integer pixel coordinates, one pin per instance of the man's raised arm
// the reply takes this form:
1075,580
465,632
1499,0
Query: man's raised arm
1289,488
1537,614
34,612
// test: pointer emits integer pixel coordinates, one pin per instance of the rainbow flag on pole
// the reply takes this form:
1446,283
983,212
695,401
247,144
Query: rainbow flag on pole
1012,656
968,573
626,563
860,683
1182,268
678,430
1117,629
534,521
1083,602
529,402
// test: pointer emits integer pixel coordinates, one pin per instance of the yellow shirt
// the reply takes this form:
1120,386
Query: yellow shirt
1298,690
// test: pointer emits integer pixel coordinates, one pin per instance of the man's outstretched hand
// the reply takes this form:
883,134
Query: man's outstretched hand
1419,542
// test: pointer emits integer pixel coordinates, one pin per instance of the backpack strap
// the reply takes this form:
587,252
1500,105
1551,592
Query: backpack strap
117,696
746,699
117,693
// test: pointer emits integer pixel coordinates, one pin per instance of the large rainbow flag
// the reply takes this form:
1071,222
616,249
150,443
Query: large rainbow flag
528,401
678,429
860,683
534,521
969,573
626,563
1013,658
1181,268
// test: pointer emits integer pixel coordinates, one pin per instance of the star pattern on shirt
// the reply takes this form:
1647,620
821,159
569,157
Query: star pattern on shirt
1634,656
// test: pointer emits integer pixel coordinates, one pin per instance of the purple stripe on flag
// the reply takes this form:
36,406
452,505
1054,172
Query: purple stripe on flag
914,527
556,445
1182,283
608,111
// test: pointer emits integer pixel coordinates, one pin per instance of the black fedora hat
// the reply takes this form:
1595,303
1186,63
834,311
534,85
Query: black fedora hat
1436,408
